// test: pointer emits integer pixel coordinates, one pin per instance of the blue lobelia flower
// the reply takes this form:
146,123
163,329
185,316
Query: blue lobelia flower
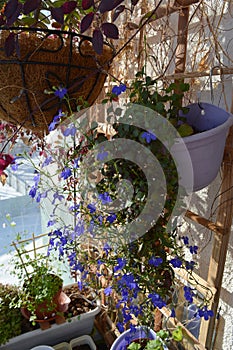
60,92
66,172
189,265
111,218
71,131
129,281
204,312
14,166
79,228
106,248
176,262
157,300
56,120
155,261
36,179
52,125
105,198
51,223
185,240
76,163
148,136
117,90
173,313
58,196
120,327
100,219
193,249
33,191
108,291
188,294
91,208
80,285
121,262
47,161
41,195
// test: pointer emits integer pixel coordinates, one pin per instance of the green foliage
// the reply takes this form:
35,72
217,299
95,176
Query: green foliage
158,344
39,284
10,318
154,344
166,100
177,334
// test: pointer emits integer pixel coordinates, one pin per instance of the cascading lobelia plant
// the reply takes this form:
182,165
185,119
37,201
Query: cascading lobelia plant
135,274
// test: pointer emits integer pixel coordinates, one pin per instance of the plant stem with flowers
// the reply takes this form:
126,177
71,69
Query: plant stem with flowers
136,278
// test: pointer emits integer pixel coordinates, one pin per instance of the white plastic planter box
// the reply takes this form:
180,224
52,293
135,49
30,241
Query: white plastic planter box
76,326
84,340
62,346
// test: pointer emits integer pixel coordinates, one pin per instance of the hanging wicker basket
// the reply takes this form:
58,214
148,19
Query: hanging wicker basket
45,59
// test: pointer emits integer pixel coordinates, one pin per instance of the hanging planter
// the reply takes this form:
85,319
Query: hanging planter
44,59
194,135
205,147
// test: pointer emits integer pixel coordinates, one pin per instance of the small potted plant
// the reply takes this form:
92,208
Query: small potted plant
40,298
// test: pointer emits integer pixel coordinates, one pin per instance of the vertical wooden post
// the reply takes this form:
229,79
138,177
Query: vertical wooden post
220,244
181,50
141,42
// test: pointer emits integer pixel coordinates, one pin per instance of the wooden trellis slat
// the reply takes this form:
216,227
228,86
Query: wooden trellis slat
199,74
222,226
220,244
205,222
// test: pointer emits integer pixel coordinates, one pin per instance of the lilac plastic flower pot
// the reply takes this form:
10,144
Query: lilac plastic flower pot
128,337
206,147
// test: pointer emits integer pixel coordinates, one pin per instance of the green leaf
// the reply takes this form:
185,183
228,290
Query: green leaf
94,125
146,16
148,81
177,334
185,130
134,346
27,21
184,87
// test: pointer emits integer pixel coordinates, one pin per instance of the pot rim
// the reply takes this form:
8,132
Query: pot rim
208,133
